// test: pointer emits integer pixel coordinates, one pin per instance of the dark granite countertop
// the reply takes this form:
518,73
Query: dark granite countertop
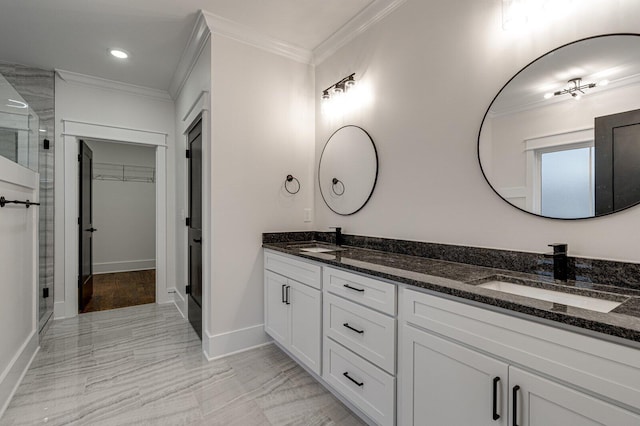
461,280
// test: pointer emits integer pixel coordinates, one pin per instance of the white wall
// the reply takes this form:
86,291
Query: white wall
124,213
120,106
18,283
261,131
433,69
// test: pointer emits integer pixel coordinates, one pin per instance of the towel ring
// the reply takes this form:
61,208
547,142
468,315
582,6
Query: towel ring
290,179
335,182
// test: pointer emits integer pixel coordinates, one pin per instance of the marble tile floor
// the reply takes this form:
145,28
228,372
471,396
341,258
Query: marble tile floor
143,365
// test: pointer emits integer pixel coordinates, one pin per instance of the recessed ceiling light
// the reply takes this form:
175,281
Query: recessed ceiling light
119,53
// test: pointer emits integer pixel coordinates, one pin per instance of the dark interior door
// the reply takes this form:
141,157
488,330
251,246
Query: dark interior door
194,288
617,161
86,229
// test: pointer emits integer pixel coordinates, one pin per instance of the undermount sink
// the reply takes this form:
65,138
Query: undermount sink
315,247
569,299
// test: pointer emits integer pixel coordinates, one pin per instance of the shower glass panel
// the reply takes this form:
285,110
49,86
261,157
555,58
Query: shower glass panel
26,120
19,125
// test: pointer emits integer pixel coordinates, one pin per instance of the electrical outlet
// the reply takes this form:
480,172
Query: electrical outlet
307,215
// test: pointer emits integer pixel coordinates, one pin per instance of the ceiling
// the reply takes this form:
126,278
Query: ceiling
613,58
74,35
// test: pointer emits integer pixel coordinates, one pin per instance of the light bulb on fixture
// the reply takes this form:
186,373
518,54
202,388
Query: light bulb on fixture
603,83
350,83
119,53
548,95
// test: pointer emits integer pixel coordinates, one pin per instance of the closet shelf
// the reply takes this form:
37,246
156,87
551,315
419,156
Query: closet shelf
123,172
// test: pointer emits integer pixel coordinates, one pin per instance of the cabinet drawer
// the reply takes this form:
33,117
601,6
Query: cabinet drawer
365,385
368,333
304,272
369,292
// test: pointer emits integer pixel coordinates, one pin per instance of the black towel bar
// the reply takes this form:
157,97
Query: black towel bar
27,203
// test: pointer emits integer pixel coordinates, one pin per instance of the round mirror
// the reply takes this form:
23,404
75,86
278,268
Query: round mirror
348,170
562,138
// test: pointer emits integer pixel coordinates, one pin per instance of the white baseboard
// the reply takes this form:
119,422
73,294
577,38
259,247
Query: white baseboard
14,373
180,302
224,344
124,266
59,310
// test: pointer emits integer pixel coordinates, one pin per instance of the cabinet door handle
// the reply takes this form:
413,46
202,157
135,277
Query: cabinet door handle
346,324
496,416
283,286
514,396
354,289
346,374
288,300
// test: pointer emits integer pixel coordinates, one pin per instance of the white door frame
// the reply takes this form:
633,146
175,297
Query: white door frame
71,133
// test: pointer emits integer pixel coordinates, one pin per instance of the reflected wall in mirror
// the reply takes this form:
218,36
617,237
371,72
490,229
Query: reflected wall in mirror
19,126
562,138
348,170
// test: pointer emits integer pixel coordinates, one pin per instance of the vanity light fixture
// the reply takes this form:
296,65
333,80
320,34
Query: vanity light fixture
119,53
337,89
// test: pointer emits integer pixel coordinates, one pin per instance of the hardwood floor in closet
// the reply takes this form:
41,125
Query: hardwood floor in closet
122,289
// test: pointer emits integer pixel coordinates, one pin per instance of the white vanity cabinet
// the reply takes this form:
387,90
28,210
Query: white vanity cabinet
466,365
360,342
293,309
448,384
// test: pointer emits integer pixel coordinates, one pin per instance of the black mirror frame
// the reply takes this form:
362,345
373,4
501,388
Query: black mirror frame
498,94
375,179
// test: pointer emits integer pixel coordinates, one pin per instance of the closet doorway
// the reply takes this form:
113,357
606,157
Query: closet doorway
117,226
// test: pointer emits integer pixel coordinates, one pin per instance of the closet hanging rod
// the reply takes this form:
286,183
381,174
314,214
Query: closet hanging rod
27,203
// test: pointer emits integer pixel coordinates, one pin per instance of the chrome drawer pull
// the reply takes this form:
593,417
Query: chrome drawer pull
346,374
346,324
353,288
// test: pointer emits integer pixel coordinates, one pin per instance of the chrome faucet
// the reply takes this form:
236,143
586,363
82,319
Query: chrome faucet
339,239
560,261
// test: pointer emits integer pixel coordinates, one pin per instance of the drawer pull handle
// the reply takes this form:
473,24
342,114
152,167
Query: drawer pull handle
346,324
346,374
283,286
496,416
288,299
361,290
514,396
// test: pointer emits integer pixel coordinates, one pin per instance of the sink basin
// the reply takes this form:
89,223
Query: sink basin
315,247
579,301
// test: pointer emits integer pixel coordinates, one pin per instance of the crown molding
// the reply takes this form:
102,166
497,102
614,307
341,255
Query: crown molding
369,16
227,28
88,80
197,41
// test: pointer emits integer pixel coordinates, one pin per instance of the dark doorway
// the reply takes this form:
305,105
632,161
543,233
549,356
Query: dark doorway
86,229
194,287
617,161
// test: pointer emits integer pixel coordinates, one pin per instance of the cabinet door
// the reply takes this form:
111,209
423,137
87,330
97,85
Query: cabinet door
276,311
541,402
306,314
444,383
